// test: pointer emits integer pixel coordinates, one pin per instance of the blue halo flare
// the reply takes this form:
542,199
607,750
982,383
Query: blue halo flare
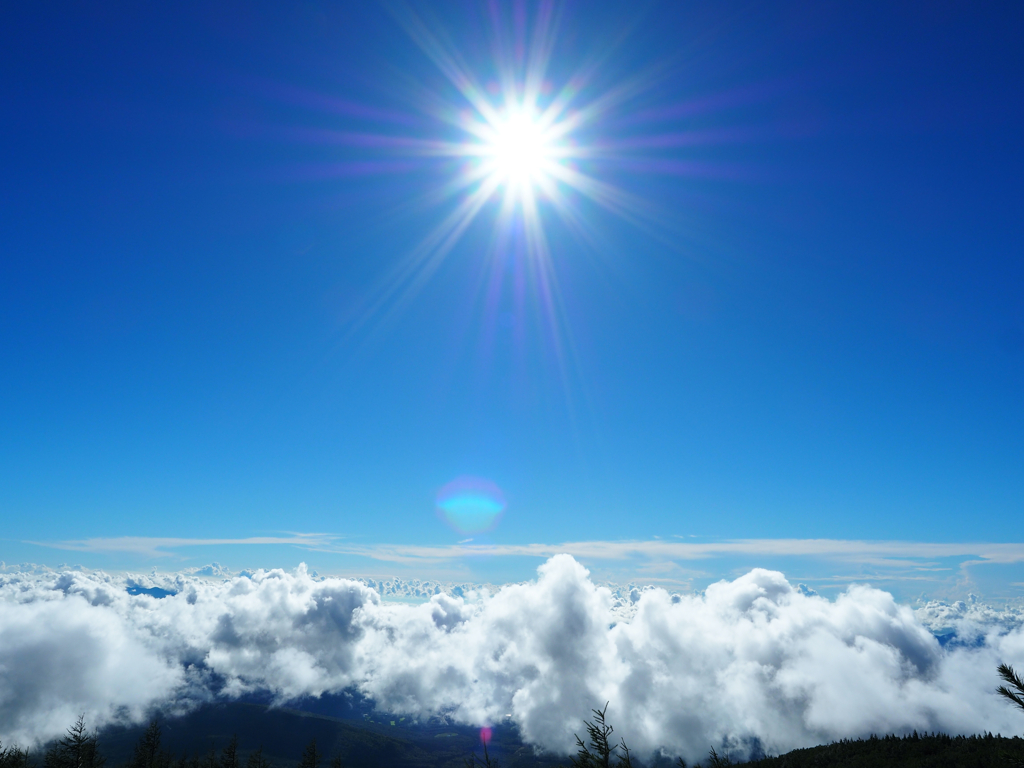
471,504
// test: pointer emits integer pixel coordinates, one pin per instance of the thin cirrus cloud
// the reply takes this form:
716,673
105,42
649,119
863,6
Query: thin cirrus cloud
883,552
910,569
155,546
860,550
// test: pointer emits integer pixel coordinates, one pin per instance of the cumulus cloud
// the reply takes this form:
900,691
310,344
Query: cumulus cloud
755,660
66,653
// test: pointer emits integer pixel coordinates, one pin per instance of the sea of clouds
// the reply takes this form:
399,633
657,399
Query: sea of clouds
755,661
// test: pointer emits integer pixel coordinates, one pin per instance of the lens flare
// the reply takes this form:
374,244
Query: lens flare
521,151
471,504
518,151
505,130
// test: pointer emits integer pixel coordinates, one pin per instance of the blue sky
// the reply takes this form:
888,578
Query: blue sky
803,319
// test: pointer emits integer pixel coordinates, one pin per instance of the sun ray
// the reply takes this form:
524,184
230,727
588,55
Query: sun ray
518,148
526,145
404,281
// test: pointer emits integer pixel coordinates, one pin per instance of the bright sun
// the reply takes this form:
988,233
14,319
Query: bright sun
519,154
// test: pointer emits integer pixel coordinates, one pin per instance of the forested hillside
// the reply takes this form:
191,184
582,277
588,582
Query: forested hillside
244,735
914,751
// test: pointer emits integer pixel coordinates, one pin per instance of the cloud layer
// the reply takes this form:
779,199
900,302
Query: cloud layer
755,660
906,567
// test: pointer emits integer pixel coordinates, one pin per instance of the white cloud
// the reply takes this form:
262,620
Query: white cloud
754,658
60,658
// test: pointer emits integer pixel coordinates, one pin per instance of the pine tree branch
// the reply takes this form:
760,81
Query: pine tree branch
1010,677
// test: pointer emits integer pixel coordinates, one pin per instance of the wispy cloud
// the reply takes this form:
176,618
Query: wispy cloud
887,553
165,547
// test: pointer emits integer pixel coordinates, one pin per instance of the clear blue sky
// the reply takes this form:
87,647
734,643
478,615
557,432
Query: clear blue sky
812,328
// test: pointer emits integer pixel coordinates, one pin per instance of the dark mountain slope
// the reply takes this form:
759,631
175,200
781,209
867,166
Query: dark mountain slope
936,751
373,741
283,733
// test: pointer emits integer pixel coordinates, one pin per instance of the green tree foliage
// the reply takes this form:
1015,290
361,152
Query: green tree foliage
336,761
311,756
600,751
257,759
1015,691
75,750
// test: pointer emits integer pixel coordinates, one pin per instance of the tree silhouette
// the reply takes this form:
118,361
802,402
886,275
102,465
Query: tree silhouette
311,756
716,760
1016,695
147,750
229,755
475,761
257,760
599,753
14,757
75,750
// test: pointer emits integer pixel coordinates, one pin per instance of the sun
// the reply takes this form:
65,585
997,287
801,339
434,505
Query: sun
518,152
528,148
